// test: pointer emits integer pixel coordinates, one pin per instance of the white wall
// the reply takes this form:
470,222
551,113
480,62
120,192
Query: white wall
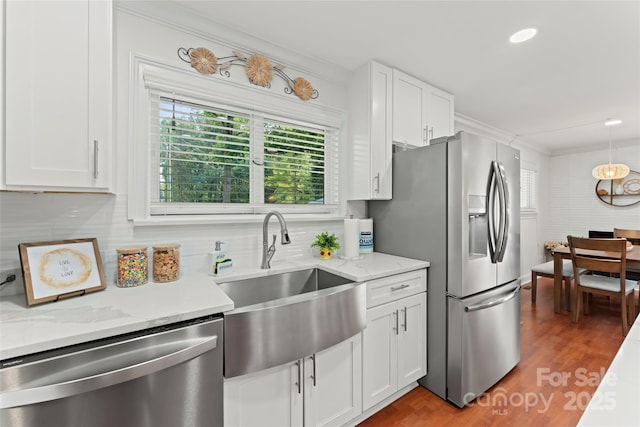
34,217
574,208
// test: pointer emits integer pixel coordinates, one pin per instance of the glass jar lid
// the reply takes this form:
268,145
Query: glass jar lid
131,249
166,247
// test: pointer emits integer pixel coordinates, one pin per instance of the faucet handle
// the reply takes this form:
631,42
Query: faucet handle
274,240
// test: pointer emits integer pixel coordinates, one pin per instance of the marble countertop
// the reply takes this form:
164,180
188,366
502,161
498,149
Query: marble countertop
615,401
370,266
113,311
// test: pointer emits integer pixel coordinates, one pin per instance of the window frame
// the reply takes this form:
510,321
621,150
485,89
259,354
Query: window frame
529,187
148,75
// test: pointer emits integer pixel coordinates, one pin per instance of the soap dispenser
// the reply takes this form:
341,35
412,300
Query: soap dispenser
219,260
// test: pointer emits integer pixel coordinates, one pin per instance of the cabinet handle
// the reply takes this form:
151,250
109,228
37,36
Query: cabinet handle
299,383
313,377
398,288
424,135
404,326
430,133
396,329
95,159
377,178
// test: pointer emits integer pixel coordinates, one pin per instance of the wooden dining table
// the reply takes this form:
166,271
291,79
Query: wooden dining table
633,260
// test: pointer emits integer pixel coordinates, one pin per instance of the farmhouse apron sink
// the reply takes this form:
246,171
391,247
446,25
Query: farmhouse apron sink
283,317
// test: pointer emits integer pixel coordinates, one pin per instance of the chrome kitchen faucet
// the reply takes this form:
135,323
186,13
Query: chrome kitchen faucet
269,251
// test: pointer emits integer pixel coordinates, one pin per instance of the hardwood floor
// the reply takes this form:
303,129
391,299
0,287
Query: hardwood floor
560,367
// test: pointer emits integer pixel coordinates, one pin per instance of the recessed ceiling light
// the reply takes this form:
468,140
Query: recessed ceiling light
523,35
612,122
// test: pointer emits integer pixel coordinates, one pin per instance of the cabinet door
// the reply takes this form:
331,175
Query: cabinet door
380,135
439,113
333,384
370,122
412,341
379,362
409,110
58,93
266,398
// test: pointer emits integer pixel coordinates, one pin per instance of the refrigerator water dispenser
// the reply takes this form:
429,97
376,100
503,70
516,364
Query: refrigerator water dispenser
478,226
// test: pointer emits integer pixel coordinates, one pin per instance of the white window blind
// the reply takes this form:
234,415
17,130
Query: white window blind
528,190
208,158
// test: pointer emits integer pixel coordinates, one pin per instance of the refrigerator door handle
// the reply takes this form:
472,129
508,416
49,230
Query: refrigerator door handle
491,202
504,214
493,302
31,396
503,199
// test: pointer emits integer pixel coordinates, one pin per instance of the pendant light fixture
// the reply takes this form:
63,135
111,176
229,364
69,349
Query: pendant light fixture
611,170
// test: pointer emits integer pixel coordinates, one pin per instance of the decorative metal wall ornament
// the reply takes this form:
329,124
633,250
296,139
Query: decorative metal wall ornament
259,69
203,60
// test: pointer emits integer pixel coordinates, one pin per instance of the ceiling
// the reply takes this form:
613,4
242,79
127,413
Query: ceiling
553,92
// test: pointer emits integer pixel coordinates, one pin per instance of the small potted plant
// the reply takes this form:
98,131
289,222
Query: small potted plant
327,244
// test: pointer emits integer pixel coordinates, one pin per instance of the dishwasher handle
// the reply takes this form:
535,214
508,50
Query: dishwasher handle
193,348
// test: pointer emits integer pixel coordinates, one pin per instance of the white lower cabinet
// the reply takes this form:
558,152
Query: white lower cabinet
335,396
320,390
394,346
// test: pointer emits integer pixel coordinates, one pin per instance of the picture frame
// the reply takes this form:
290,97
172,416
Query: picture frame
61,269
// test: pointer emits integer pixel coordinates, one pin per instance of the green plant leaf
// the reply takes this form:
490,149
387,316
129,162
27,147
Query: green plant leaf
326,240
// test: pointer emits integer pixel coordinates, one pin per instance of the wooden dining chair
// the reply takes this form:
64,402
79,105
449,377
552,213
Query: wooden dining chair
614,260
632,235
546,270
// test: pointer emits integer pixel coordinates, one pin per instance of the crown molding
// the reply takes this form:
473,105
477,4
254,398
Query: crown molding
489,131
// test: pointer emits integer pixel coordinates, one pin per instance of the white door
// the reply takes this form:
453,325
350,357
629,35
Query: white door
409,110
270,398
412,341
381,149
379,346
58,93
333,384
439,113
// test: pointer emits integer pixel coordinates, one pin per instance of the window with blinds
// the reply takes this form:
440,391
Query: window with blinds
208,158
528,190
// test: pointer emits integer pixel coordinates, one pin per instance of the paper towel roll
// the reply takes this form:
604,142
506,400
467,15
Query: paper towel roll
366,235
351,238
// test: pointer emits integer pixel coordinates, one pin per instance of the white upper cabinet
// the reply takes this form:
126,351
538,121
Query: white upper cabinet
387,107
439,113
409,110
58,95
370,124
421,112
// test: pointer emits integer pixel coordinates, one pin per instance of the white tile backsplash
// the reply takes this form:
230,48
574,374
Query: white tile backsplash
34,217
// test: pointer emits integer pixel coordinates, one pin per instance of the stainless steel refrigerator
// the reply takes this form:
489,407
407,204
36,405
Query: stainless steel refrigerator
456,203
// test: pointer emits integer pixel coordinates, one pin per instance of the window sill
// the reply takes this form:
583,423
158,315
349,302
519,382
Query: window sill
228,219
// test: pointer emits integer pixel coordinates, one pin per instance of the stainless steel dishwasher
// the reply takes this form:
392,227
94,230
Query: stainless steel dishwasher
166,376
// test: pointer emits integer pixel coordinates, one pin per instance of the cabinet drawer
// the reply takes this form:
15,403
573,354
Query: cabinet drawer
391,288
